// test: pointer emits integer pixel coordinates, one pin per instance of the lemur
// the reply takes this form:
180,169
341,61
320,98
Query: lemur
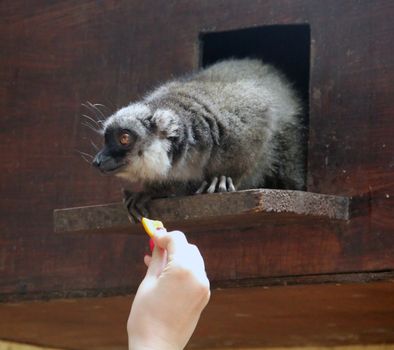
232,126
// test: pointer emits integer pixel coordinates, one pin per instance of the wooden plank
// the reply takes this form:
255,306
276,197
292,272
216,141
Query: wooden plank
262,202
314,316
346,347
7,345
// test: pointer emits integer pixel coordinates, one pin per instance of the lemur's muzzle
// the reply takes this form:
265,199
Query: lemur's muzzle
106,163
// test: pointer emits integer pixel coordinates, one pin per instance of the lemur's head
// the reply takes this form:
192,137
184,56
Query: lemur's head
138,142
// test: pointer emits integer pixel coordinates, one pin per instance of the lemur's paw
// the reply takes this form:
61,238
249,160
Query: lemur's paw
224,185
135,203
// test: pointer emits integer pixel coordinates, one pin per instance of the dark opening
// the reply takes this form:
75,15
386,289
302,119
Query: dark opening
287,47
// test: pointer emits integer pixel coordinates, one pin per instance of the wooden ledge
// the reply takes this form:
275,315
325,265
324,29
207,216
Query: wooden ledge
241,207
235,318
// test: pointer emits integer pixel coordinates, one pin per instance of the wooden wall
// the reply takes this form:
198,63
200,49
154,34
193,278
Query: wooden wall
56,55
4,345
256,317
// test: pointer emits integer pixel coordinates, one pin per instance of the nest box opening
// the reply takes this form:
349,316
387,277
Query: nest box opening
287,47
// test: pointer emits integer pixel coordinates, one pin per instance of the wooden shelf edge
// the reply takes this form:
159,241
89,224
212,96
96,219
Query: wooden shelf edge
266,282
270,203
282,316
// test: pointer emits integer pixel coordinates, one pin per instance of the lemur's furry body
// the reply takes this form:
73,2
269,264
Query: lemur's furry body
237,118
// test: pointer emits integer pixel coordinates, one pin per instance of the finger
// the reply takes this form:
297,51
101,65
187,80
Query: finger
212,187
222,184
230,185
157,262
173,242
147,260
202,188
195,254
195,262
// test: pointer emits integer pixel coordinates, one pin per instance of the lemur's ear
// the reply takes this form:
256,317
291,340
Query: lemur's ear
165,123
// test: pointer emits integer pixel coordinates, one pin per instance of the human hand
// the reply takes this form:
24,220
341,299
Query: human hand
171,297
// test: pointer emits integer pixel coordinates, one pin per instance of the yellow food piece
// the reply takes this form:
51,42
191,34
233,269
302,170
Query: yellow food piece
151,226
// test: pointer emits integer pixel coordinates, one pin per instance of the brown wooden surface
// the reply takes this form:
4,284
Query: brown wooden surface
7,345
57,54
242,317
262,204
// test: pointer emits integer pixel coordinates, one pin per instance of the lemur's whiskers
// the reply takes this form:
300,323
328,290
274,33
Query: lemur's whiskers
91,127
98,117
85,154
96,122
103,106
88,158
95,108
94,145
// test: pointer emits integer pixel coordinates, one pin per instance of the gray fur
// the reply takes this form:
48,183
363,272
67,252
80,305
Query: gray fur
237,118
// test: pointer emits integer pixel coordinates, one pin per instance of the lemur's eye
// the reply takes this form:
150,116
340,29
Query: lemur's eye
124,139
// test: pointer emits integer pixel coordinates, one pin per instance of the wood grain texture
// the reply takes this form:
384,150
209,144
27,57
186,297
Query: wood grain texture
264,204
317,315
7,345
56,55
346,347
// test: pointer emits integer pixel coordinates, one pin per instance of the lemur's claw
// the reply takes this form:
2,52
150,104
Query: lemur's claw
225,185
202,188
136,205
212,186
230,185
